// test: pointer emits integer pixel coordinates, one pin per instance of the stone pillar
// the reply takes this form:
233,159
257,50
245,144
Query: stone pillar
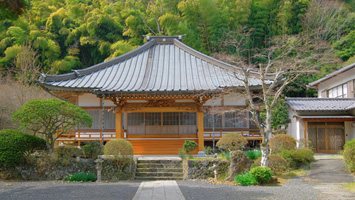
201,139
99,169
119,124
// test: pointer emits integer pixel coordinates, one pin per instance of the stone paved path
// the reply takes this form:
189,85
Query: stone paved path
159,190
329,176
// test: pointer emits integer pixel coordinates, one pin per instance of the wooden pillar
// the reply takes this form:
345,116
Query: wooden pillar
201,139
119,124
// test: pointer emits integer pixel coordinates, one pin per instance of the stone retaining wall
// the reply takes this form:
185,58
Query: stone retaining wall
60,171
203,169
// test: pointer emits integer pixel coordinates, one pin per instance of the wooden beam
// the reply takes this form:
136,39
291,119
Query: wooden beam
118,124
305,123
200,131
158,109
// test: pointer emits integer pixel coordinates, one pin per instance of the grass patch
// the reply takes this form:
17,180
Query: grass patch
283,178
350,187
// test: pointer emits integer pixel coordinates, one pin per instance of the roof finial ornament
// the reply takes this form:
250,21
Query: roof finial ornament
77,73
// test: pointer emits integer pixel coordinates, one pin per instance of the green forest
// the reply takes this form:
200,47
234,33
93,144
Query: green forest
61,35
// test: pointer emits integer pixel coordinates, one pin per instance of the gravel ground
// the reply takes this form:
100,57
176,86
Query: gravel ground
62,190
329,171
295,189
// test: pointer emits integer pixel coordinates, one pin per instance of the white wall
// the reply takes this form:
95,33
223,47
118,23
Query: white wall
87,100
335,81
295,127
234,99
349,131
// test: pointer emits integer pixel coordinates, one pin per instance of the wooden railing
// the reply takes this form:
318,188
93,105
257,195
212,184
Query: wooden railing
87,135
96,135
249,134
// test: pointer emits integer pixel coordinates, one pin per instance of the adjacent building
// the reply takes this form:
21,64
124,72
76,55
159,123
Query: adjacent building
328,121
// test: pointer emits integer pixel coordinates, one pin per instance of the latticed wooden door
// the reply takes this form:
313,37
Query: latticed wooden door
326,137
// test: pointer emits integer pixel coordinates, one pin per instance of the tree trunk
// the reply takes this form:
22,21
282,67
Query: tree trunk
266,136
265,154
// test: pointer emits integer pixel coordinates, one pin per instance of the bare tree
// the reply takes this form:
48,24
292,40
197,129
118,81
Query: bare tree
17,86
287,58
327,19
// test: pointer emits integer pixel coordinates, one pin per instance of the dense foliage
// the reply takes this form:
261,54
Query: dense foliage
189,146
253,154
231,142
82,177
45,117
15,144
121,150
92,149
281,142
277,164
349,154
262,174
298,158
245,179
75,34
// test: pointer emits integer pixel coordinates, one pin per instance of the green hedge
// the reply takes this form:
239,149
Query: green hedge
349,154
298,158
14,144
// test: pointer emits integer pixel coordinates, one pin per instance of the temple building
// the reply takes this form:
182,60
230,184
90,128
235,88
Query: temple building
157,96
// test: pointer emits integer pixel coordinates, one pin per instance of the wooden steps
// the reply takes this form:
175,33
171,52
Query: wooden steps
159,170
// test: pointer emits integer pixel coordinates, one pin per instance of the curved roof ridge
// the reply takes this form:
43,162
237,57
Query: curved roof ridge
209,58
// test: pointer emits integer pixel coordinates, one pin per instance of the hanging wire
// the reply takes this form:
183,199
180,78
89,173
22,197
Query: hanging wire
103,120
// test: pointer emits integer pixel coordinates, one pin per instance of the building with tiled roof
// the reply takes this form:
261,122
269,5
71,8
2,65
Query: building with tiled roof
329,120
157,96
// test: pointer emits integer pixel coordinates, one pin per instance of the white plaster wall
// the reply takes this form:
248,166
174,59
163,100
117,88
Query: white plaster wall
88,100
234,99
217,102
335,81
295,127
349,131
109,103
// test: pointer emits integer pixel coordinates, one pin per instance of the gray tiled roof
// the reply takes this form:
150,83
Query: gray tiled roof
321,104
162,64
315,83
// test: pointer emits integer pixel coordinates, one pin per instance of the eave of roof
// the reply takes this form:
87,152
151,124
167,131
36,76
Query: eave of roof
321,104
331,75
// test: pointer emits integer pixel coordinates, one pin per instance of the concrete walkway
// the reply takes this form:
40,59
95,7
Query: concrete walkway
328,175
159,190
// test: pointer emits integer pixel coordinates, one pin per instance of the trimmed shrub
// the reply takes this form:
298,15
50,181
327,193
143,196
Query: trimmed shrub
254,154
85,177
277,164
15,144
231,142
298,158
92,150
349,154
121,150
262,174
189,146
281,142
67,151
245,179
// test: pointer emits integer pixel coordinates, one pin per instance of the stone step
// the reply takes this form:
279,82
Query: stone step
159,174
159,178
158,165
159,170
161,161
